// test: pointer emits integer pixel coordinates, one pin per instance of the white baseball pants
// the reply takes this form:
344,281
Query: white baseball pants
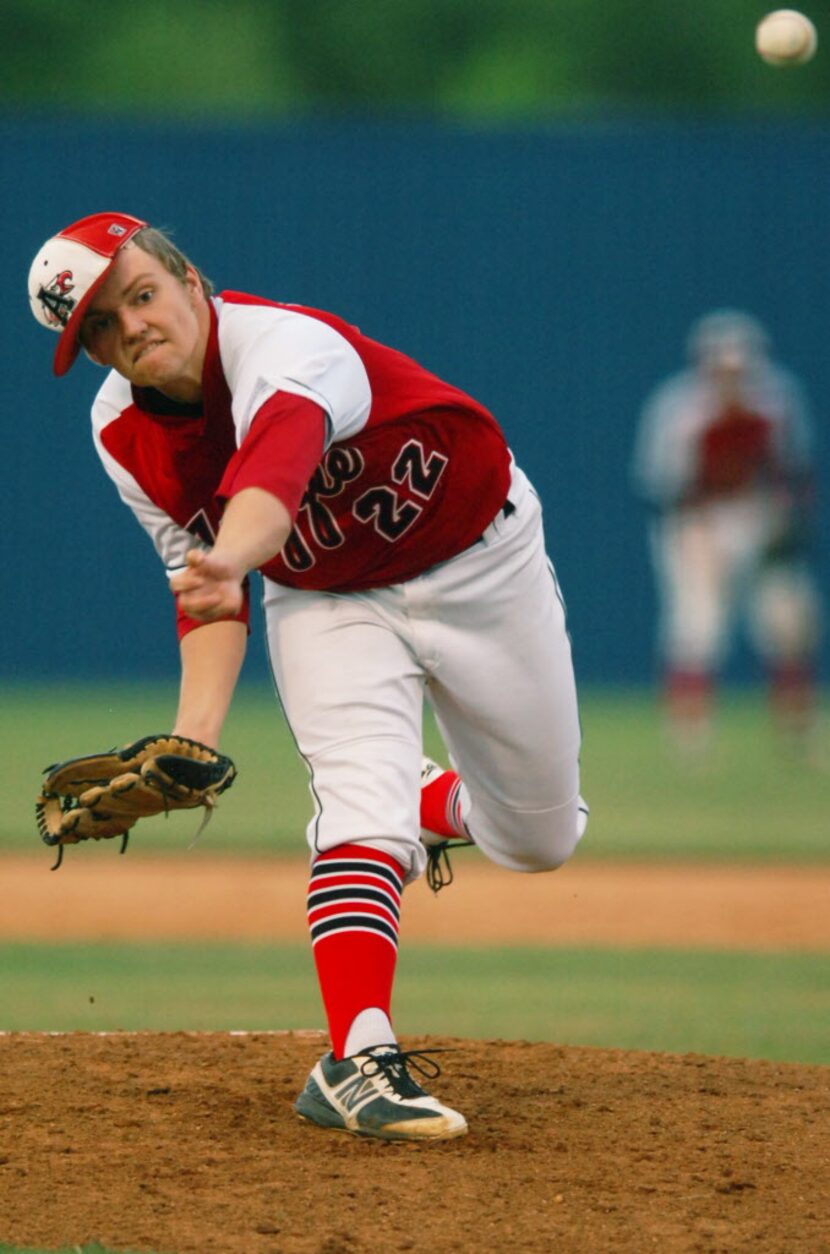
483,637
710,567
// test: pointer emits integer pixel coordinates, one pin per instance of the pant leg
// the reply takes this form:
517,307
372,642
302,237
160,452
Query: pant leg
352,691
696,592
497,655
784,613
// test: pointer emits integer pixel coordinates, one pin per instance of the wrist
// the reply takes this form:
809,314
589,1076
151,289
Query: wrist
207,731
234,563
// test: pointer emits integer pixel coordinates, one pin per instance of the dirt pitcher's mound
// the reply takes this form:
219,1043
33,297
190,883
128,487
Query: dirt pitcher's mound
187,1144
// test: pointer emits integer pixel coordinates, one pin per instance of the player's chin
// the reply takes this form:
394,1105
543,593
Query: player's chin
154,368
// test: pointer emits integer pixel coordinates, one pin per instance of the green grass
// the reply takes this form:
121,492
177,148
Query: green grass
95,1248
266,812
748,799
746,1005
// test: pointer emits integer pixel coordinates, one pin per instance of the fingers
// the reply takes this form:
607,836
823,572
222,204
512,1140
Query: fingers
211,602
207,589
185,581
204,613
202,571
212,565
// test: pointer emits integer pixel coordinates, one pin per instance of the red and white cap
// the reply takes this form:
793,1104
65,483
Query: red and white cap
68,271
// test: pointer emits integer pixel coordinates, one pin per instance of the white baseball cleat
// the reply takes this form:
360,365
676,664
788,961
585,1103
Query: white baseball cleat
373,1094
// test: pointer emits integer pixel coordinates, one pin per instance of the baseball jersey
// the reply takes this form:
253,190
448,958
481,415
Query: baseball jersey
386,470
692,448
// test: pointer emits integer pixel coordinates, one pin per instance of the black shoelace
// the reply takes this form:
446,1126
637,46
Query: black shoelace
439,870
395,1065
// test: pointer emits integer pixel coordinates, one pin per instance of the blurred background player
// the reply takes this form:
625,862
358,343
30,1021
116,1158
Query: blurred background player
723,458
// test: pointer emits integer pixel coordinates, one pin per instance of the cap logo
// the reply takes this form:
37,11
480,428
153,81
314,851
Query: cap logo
55,299
115,229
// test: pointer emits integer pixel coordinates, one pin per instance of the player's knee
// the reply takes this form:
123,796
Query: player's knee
565,834
542,841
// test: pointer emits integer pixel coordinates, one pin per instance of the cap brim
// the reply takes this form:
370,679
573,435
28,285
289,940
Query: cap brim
87,234
69,344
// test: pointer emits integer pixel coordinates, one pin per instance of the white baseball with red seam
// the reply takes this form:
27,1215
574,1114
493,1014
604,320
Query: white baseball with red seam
786,37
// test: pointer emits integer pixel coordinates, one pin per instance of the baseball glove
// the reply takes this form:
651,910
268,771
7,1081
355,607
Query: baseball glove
105,794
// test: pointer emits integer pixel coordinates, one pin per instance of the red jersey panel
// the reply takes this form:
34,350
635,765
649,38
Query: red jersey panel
413,468
735,453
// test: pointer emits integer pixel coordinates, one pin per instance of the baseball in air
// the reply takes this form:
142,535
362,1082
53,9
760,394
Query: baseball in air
786,37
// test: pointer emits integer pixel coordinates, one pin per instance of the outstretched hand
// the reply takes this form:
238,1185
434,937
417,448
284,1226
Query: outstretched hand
209,588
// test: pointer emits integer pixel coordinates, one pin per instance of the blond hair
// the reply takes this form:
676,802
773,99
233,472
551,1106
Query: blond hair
159,245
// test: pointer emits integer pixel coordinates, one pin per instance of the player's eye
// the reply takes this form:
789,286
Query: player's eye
98,324
145,295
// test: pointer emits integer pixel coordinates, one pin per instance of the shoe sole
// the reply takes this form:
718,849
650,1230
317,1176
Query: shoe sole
324,1116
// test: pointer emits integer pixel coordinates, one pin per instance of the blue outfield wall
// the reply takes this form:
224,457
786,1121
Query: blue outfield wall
553,272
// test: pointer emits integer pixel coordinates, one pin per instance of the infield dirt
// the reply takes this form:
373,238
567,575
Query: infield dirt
97,894
188,1144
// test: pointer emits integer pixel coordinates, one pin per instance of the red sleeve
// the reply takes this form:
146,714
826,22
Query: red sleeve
284,444
184,623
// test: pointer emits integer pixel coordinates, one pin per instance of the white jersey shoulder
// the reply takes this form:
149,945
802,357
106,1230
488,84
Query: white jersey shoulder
171,541
266,350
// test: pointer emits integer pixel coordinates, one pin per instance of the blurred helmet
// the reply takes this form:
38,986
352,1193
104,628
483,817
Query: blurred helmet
727,339
68,271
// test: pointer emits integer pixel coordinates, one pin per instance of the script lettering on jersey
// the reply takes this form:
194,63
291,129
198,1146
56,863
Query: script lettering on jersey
340,466
391,508
385,507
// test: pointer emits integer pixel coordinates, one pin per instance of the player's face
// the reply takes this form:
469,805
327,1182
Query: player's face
149,326
727,368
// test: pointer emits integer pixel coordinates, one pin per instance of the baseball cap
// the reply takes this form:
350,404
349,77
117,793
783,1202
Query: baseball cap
68,271
728,337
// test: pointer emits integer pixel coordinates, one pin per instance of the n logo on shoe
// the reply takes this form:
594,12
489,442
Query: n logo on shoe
354,1092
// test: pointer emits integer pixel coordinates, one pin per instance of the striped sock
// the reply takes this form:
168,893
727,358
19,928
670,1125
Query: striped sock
441,806
354,899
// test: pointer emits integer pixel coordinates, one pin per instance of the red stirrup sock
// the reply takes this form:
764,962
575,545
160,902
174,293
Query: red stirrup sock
441,806
793,696
354,900
689,696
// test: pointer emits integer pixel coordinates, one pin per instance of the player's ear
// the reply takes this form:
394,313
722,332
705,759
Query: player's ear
88,351
193,283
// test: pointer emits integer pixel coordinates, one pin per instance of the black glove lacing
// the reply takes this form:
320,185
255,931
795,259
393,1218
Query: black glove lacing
124,842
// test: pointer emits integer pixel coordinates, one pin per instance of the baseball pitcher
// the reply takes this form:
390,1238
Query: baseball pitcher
402,556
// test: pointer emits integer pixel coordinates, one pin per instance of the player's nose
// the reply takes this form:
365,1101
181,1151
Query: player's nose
132,322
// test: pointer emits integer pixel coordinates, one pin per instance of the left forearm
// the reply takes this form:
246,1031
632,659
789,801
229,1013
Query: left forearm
211,658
